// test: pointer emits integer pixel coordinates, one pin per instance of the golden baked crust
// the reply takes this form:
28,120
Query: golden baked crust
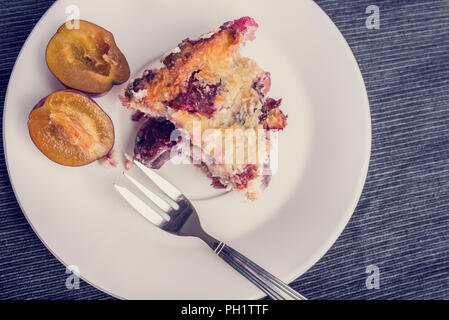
210,56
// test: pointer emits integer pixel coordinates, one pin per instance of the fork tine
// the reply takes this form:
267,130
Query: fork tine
140,206
163,184
153,197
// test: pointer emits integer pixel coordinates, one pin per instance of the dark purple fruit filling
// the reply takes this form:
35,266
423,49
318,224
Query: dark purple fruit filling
137,116
197,97
241,25
242,179
269,105
262,85
162,130
169,61
216,183
153,142
139,83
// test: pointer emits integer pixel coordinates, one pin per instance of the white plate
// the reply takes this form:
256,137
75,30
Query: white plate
323,161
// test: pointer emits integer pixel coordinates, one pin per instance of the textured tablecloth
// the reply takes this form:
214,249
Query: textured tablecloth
401,224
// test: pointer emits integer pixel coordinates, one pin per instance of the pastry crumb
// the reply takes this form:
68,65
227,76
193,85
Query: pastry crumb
110,160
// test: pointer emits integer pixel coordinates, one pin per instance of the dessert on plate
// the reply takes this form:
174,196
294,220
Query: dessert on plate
214,101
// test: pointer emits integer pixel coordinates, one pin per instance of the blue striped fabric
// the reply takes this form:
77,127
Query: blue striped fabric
401,223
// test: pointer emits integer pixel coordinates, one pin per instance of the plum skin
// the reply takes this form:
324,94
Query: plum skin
41,104
119,71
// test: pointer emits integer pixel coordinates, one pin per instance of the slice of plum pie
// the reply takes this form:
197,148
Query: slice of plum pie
209,104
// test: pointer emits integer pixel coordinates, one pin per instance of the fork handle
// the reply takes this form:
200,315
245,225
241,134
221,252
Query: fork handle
272,286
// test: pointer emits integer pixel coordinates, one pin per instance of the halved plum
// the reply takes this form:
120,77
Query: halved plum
70,128
86,58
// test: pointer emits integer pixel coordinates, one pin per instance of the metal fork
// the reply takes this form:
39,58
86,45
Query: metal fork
181,219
